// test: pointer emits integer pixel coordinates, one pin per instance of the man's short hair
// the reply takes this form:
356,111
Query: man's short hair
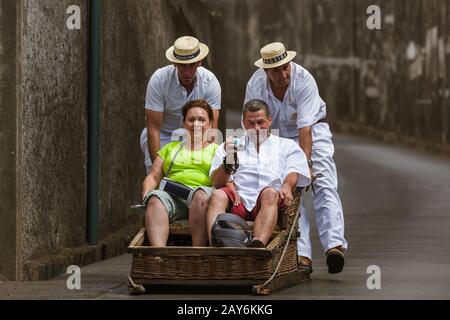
256,105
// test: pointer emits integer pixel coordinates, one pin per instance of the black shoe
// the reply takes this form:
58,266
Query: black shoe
335,260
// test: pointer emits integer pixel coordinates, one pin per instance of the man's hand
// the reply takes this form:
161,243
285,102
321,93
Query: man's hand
313,179
230,161
237,199
231,151
313,176
286,195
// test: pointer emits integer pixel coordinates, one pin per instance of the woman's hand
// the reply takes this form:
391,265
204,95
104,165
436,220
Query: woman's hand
152,181
147,186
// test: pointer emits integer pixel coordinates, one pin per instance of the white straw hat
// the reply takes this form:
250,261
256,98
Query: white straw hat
274,55
187,50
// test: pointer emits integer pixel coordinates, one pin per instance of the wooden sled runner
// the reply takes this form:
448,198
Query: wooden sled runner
263,269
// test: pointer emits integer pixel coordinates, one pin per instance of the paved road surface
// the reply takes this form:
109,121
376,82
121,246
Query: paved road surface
397,211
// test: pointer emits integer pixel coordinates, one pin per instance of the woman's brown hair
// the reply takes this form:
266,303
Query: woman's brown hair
198,104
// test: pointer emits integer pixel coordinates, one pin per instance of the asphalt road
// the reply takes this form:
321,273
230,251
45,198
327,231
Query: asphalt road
397,213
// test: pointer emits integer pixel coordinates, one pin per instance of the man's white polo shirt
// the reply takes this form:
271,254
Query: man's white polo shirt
166,94
277,158
302,105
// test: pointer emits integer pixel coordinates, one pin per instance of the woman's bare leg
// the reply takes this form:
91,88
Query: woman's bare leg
197,218
157,223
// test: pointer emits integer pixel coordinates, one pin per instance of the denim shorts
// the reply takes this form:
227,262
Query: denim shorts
177,208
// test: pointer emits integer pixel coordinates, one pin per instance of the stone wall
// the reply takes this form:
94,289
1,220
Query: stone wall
8,138
53,126
401,82
135,35
47,125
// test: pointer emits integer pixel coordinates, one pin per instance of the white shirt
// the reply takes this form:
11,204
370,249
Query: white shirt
302,105
277,158
166,94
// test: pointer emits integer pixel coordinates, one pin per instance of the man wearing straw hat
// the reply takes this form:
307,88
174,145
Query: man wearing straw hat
299,113
170,88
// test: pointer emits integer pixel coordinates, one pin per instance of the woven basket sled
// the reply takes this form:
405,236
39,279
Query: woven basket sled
181,264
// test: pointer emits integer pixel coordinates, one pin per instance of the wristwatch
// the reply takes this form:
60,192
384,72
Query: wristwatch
310,163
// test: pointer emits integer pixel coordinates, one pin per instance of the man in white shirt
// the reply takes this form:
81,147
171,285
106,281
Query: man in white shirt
269,169
299,113
170,88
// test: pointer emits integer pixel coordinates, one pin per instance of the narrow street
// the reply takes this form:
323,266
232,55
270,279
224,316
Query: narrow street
397,210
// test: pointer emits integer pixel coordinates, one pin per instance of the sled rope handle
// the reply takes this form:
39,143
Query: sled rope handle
137,288
260,288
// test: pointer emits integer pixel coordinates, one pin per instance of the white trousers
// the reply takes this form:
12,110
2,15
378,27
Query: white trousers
326,202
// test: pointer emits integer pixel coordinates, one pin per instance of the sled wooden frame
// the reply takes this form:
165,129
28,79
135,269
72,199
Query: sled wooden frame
209,266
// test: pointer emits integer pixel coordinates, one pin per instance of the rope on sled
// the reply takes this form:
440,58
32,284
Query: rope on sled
261,289
136,289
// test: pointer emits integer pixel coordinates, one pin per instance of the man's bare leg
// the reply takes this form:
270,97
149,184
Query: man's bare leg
217,204
157,223
267,217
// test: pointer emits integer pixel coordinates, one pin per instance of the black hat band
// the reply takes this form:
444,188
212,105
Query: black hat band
276,59
189,57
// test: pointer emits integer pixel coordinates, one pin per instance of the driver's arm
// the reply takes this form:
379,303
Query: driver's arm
154,122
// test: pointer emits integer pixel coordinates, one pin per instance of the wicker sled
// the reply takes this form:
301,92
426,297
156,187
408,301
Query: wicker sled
181,264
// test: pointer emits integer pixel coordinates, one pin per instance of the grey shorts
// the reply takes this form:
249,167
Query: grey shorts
178,209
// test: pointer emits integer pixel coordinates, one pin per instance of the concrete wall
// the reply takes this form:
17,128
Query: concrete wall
135,36
47,125
52,166
390,83
8,138
401,83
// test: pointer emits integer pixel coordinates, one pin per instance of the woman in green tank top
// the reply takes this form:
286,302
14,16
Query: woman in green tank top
188,163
